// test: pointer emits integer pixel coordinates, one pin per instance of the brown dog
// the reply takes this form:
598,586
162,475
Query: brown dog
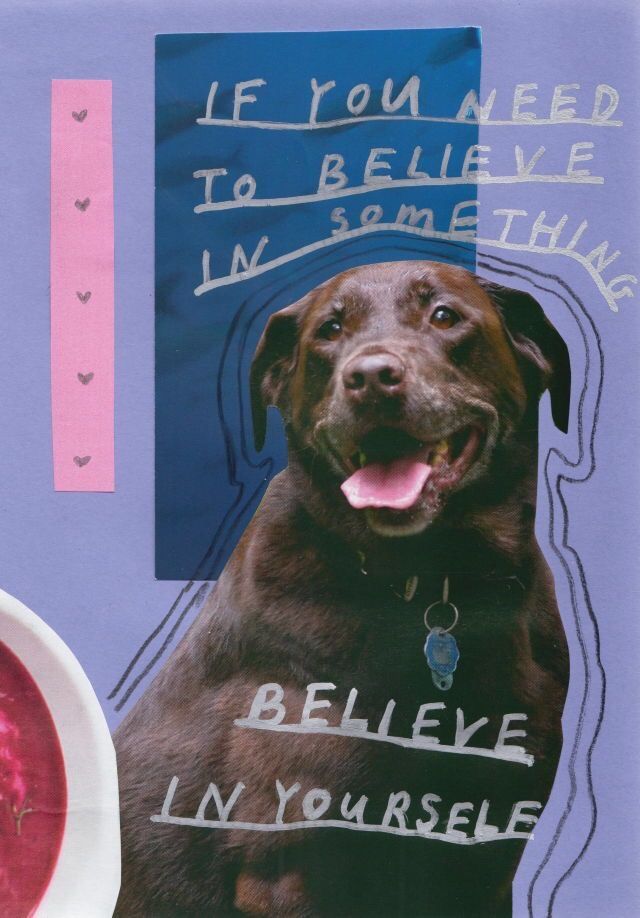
409,393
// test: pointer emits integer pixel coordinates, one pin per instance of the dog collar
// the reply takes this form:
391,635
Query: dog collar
410,587
440,647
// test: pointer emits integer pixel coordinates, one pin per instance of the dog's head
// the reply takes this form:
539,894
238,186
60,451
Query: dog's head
404,380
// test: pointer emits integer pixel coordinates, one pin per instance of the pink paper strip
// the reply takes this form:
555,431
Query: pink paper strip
82,279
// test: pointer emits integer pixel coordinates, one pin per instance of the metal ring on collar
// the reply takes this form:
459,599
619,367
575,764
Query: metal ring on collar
439,602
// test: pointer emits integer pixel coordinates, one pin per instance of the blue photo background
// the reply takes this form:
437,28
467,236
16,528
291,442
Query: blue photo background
209,478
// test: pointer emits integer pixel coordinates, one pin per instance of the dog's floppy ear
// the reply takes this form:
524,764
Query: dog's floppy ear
538,344
272,364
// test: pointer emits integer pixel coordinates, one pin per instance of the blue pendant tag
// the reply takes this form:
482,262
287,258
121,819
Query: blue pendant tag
442,654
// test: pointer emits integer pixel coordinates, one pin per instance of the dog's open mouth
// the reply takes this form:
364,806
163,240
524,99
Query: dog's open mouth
392,469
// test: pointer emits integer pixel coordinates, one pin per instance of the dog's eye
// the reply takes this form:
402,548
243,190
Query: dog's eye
330,330
443,317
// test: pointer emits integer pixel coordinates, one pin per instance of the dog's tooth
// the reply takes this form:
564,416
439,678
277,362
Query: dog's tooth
362,458
440,453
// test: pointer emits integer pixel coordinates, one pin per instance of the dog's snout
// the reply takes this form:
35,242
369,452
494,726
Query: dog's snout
379,373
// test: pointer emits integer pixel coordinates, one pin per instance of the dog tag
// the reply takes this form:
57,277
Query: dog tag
442,654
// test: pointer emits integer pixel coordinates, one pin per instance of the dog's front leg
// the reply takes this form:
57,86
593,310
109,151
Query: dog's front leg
258,894
270,872
276,870
269,867
270,875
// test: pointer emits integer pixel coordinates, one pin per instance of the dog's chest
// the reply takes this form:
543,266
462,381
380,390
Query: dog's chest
387,652
398,730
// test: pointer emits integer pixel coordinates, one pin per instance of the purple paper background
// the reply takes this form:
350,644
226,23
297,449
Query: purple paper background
84,562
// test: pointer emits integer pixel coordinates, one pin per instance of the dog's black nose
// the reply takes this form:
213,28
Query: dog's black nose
379,373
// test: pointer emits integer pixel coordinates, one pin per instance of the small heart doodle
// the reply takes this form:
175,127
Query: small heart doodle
81,460
80,116
85,378
82,205
83,297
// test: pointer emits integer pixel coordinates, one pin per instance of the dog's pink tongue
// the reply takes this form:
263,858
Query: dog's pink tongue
396,485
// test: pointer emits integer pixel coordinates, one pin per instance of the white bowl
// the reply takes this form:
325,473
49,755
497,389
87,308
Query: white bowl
86,879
